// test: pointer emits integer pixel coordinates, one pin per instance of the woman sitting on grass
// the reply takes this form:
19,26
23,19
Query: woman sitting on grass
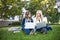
25,20
39,19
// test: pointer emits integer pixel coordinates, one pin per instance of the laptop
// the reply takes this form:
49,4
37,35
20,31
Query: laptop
40,25
29,25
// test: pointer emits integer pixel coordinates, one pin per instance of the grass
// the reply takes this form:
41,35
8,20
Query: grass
52,35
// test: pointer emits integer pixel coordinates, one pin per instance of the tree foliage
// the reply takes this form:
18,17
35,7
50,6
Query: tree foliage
10,8
47,6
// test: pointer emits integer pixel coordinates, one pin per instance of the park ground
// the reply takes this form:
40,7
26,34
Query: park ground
52,35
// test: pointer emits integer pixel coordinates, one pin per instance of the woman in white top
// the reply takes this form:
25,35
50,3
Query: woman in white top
38,19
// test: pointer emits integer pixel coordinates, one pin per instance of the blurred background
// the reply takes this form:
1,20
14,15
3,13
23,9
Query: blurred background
12,11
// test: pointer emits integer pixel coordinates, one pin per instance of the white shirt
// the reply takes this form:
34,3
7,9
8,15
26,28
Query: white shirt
36,21
43,19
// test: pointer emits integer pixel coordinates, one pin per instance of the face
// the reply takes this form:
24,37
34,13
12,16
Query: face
38,14
29,15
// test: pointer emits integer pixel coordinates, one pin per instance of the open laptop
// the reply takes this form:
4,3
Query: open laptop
29,25
40,25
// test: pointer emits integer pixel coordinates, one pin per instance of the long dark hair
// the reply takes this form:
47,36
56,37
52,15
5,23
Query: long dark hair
27,14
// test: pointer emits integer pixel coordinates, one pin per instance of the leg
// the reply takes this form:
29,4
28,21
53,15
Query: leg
48,27
44,30
27,31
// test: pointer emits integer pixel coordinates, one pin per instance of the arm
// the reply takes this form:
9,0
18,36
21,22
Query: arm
23,22
31,20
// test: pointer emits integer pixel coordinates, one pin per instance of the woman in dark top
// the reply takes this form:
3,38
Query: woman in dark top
25,20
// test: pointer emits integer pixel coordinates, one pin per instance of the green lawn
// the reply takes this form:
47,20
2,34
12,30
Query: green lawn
52,35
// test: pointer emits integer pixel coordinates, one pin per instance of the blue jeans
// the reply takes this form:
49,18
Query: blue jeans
27,31
47,28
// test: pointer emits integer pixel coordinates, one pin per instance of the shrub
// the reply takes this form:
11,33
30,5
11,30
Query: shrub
15,24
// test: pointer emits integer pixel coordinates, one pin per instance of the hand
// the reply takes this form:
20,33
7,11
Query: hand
38,18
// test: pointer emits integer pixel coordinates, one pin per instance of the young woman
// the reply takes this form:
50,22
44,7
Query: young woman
38,19
25,20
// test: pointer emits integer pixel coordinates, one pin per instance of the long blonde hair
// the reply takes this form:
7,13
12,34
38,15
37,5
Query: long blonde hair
39,12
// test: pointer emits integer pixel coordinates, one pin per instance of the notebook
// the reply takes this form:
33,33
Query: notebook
40,25
29,25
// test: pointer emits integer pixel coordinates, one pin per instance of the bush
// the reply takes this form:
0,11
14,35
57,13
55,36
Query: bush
53,16
15,24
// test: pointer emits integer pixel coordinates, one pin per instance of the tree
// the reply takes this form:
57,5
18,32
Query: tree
10,8
47,6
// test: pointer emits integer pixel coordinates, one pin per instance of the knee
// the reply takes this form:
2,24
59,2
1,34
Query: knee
27,31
